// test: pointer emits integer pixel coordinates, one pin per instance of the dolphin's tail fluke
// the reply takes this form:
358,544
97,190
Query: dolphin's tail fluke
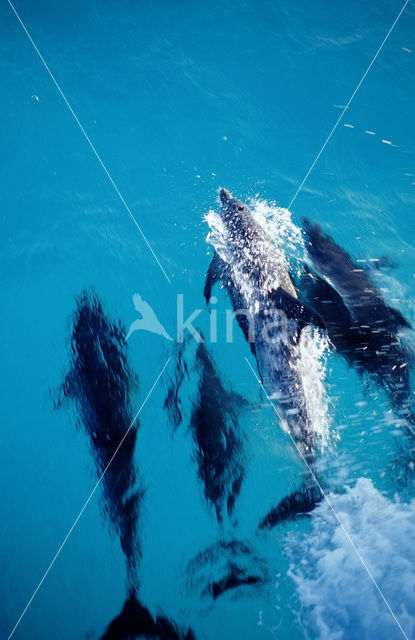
136,621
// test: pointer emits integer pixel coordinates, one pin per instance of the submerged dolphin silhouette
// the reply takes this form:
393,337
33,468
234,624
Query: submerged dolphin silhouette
213,422
101,382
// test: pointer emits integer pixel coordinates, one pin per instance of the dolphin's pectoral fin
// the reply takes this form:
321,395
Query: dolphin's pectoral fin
214,274
297,309
299,503
385,263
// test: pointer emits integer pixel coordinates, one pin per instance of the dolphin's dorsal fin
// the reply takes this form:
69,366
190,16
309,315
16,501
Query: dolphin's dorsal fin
296,309
396,319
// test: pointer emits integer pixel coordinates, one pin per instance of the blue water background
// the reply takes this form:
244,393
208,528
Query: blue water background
179,98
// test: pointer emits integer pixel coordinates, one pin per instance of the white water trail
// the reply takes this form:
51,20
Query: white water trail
338,599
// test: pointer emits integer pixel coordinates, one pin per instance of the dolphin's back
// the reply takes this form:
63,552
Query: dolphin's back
361,326
255,257
350,281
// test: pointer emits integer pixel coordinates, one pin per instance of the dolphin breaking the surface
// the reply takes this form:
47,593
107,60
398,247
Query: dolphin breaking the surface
265,302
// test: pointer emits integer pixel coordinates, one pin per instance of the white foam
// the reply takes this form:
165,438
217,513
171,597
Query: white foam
281,231
312,366
338,599
285,234
275,221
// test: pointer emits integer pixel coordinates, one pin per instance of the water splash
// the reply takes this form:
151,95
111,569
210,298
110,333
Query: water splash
313,351
278,225
277,222
338,598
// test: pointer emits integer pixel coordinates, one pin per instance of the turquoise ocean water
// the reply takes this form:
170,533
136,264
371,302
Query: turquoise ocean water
179,99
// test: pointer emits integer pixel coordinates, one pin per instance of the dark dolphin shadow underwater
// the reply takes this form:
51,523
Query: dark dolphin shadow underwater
360,325
100,383
214,425
219,452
